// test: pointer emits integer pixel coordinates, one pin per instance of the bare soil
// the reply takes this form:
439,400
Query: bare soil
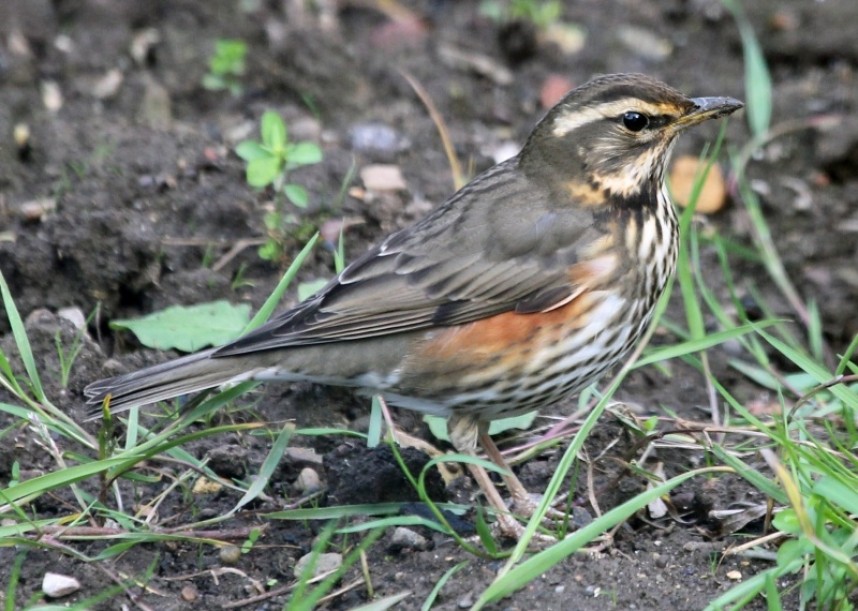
128,191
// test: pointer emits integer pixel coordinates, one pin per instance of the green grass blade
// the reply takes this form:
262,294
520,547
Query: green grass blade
273,300
433,595
700,344
267,470
758,81
57,479
20,334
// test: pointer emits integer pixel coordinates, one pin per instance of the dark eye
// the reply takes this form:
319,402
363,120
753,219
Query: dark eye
635,121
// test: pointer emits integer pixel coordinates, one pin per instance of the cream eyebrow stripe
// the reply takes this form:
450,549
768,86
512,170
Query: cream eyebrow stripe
570,121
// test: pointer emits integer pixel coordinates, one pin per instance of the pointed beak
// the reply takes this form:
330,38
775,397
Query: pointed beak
708,108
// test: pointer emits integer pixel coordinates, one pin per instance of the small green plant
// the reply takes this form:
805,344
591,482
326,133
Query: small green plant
269,163
226,66
540,13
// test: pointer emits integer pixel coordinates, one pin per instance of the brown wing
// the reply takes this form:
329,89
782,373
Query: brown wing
500,244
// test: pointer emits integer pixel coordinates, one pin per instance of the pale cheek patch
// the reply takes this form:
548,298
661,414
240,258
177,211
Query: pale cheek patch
627,179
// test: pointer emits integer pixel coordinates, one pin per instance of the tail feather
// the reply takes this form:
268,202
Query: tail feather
181,376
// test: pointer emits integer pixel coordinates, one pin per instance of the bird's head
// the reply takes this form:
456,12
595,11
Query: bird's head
612,136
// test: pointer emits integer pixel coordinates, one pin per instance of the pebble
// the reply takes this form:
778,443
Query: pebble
156,108
382,177
52,96
229,554
593,591
466,601
190,593
307,456
325,563
107,85
405,538
376,138
74,315
683,175
645,43
308,481
55,585
143,45
734,575
571,38
33,210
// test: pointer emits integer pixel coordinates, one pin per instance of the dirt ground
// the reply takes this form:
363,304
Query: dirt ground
129,195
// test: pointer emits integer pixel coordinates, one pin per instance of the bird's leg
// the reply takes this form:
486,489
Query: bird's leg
522,502
464,432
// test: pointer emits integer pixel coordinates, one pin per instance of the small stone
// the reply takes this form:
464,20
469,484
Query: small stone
305,456
52,96
383,177
108,85
229,554
308,481
376,138
156,108
55,585
734,575
74,316
570,37
143,45
33,210
593,591
683,175
405,538
466,601
645,43
325,563
190,593
21,135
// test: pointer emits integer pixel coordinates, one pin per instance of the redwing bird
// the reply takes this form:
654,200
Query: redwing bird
521,289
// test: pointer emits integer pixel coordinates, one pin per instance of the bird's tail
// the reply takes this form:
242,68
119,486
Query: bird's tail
181,376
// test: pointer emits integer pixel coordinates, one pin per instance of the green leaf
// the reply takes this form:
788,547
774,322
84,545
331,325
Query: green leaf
838,493
304,153
268,251
213,82
262,171
297,195
251,149
189,328
786,521
273,131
